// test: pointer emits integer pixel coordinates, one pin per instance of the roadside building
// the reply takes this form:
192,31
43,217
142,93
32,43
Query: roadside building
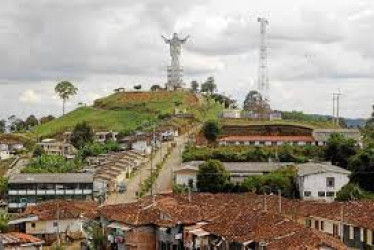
20,241
9,147
231,113
238,171
49,219
29,189
320,181
322,135
259,140
54,147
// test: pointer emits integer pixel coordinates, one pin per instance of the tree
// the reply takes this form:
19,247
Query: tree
362,167
194,86
65,90
211,131
46,119
282,179
138,87
209,86
38,151
2,126
156,87
81,135
212,177
31,121
339,149
349,192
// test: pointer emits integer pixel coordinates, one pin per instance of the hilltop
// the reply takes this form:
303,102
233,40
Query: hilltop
132,110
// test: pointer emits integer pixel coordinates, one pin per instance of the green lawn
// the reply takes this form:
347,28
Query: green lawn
116,120
129,110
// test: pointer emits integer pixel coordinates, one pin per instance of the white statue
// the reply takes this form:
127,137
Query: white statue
175,47
174,71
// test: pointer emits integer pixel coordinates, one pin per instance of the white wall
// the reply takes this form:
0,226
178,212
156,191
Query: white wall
182,178
47,227
317,182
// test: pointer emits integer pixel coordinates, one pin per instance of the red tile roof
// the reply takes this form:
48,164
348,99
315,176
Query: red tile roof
15,238
72,209
268,138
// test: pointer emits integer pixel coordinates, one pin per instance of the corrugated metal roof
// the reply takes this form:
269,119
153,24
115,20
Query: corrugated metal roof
52,178
311,168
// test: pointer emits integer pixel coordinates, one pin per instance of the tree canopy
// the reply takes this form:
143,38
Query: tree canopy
339,149
194,86
65,90
211,130
31,121
209,86
212,177
81,135
362,167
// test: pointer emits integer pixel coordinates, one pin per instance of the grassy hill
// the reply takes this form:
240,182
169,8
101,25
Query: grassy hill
131,110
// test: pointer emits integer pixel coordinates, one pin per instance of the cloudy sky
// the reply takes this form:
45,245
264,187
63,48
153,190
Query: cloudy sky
316,47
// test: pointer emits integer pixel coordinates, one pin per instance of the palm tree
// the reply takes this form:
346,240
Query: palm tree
65,90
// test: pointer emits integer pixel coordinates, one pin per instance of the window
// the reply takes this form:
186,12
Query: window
321,194
322,225
330,194
316,224
32,225
351,233
55,224
308,223
330,182
335,230
307,193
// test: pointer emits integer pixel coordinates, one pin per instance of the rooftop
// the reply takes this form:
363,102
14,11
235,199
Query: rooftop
15,238
51,178
268,138
68,209
311,168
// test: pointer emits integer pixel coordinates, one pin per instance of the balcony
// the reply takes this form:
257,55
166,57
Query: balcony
50,192
22,192
78,191
31,192
69,191
61,191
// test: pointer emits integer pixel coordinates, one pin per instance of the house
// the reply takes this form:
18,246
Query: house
231,113
101,137
46,219
208,221
8,148
54,147
15,240
320,181
29,189
238,171
260,140
322,135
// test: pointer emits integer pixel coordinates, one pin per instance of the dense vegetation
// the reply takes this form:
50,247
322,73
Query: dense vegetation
285,153
51,164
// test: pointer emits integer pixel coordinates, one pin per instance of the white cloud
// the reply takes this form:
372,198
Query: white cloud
29,96
315,47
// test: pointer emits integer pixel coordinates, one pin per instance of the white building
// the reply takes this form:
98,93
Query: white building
321,136
8,148
231,113
238,171
320,181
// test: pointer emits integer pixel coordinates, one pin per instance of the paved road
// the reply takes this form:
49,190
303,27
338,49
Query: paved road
164,182
132,186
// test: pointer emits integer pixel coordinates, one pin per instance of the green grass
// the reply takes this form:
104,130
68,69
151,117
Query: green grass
116,120
131,110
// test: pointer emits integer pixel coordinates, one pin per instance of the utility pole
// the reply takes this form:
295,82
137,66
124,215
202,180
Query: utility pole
280,201
342,223
336,108
263,78
58,226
